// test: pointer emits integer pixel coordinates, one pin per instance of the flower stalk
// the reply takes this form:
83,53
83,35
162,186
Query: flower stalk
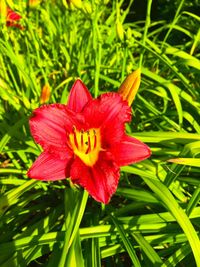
75,204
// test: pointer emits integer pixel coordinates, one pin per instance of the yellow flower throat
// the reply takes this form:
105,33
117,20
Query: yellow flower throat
86,145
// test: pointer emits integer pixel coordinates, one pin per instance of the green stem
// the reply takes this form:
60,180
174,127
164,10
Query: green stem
73,217
147,24
176,17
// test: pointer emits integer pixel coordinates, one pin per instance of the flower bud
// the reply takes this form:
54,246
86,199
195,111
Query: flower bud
77,3
129,34
120,30
87,7
45,94
130,86
34,3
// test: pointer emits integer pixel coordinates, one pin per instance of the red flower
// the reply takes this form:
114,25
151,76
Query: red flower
86,141
12,18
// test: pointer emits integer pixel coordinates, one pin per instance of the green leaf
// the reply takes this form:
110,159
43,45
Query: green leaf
148,250
170,203
186,161
127,244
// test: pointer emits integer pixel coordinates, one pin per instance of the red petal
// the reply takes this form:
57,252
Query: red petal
105,109
111,134
100,181
109,113
11,15
50,124
49,167
129,150
79,96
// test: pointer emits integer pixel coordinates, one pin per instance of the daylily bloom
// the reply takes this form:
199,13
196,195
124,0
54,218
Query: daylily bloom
86,141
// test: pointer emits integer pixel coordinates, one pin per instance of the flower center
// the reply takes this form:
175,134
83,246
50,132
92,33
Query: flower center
86,145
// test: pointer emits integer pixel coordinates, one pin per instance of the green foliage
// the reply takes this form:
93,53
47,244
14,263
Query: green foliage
154,217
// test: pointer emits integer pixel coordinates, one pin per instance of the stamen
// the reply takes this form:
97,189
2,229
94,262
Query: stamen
89,143
75,138
82,140
95,139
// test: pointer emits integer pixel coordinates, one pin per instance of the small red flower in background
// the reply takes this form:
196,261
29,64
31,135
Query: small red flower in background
86,141
9,16
12,18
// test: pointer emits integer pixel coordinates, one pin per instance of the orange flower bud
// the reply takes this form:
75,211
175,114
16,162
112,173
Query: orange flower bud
130,86
45,94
